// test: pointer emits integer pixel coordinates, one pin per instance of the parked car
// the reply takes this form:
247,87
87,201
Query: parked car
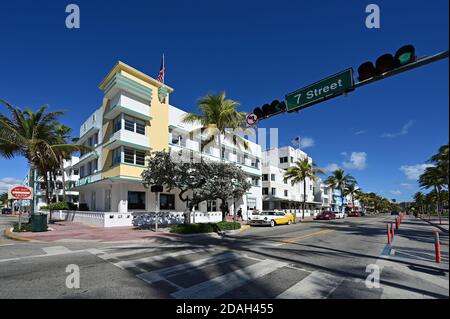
272,218
326,216
6,210
354,214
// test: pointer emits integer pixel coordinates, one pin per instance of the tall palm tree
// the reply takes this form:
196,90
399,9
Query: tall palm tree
302,170
31,135
419,199
441,161
339,180
352,190
434,177
217,116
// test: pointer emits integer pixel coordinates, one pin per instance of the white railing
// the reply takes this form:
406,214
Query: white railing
99,219
146,219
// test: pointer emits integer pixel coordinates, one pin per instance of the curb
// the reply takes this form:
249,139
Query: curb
435,225
9,234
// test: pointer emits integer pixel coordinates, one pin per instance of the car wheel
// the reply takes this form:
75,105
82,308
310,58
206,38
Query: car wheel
289,222
272,223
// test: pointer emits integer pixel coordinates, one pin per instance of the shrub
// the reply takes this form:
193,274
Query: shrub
60,206
204,228
26,227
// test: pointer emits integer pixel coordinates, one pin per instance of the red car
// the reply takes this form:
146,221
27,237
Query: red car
354,214
326,215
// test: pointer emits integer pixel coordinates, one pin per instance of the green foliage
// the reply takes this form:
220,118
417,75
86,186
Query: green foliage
204,228
26,227
60,206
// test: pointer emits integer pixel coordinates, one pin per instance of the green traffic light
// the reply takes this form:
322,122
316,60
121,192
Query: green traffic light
405,55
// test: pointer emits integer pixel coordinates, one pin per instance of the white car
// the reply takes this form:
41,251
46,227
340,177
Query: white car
339,215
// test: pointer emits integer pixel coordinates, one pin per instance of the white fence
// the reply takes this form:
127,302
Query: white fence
115,219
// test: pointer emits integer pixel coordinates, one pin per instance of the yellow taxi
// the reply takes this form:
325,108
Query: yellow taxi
271,218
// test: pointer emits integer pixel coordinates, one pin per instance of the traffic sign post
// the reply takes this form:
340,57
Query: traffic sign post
320,91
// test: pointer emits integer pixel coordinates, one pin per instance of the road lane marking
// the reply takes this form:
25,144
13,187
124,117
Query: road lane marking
220,285
294,240
318,285
160,274
55,250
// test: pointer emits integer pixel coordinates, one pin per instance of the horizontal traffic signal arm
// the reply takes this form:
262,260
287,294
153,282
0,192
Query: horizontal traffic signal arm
268,110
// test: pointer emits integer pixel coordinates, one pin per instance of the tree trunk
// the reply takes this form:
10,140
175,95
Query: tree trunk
32,185
220,146
63,180
304,198
438,203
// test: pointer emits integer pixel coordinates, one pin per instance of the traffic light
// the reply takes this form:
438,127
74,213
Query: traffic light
387,62
270,109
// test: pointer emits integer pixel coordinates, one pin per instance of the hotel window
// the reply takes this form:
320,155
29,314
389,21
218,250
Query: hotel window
272,177
274,191
292,159
255,181
136,200
140,158
134,125
265,177
167,201
283,160
265,191
211,206
116,156
82,171
286,193
89,169
117,124
128,155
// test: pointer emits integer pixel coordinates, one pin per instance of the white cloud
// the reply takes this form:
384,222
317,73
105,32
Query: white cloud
396,192
7,182
358,161
404,130
303,142
332,167
360,132
413,172
407,185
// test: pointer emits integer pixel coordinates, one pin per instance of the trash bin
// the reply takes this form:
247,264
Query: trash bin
39,222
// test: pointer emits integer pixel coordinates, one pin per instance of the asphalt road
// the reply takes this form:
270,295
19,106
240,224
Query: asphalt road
321,259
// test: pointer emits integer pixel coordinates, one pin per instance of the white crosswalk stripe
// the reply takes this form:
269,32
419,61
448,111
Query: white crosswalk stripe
318,285
205,273
219,285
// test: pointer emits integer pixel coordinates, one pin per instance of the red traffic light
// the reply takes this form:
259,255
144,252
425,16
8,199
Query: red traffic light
384,63
366,71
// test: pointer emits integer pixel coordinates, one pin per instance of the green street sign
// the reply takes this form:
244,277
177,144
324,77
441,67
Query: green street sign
320,91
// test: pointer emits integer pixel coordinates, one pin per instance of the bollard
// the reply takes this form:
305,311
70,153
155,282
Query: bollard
437,247
392,231
388,234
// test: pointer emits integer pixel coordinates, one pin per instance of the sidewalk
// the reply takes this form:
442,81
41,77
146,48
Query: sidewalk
411,259
71,231
435,222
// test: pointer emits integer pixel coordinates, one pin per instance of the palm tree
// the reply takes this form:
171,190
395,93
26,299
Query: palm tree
302,170
419,199
4,198
352,190
434,177
31,135
441,160
217,116
339,180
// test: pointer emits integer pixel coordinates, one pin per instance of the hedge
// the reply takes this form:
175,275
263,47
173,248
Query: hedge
204,228
60,206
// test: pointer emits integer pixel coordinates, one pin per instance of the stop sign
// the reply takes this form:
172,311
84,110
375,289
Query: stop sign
20,192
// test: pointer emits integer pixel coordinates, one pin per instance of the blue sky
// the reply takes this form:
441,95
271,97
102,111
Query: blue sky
255,50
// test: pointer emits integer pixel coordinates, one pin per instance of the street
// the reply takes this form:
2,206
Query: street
300,261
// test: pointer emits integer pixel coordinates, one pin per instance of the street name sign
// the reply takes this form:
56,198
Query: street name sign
320,91
20,192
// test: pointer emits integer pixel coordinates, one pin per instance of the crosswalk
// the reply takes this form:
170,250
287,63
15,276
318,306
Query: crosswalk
188,272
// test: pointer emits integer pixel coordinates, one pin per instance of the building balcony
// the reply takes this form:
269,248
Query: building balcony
126,105
127,138
85,158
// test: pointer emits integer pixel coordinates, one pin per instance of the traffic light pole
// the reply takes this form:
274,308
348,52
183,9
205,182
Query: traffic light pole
420,62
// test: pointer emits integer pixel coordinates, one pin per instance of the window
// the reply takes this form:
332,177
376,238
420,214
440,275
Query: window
272,177
75,172
117,124
255,181
136,200
134,125
265,177
283,160
140,128
167,201
108,200
325,191
129,124
265,191
274,191
82,171
286,193
292,159
128,155
211,206
89,169
140,158
94,166
116,157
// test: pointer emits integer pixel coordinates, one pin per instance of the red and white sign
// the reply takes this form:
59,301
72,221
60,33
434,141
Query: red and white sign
251,119
20,192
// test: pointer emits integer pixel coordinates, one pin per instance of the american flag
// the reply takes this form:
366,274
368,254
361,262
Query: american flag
296,140
162,71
